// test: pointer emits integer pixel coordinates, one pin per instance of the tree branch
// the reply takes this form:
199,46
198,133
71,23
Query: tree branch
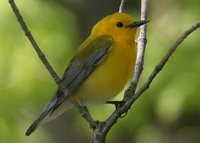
121,7
33,42
164,60
83,111
141,44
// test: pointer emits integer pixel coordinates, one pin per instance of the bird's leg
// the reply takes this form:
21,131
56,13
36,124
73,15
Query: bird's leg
116,103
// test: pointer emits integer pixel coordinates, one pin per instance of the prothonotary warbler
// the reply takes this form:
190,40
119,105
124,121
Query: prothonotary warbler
100,68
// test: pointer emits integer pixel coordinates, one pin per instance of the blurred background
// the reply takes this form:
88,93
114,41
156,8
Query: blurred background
169,112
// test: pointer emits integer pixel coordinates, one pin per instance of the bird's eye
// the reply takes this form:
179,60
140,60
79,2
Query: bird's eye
119,24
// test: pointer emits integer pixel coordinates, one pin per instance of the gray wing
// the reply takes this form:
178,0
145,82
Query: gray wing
81,66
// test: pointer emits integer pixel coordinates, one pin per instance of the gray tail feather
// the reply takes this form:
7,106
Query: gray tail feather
37,121
50,107
55,102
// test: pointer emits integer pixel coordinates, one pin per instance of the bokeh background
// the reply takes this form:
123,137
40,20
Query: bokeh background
169,112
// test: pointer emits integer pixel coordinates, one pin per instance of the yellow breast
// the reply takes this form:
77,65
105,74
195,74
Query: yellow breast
110,77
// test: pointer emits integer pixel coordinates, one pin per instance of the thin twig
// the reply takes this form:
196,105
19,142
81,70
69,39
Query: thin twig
162,63
84,112
33,42
45,62
141,44
121,7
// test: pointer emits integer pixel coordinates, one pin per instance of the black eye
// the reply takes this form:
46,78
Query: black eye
119,24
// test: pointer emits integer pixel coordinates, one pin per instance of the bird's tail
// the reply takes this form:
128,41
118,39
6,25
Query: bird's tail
36,122
49,113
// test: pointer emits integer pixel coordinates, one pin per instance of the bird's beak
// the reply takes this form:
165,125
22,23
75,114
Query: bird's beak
137,23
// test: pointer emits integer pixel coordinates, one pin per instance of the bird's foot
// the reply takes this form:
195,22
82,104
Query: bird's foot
116,103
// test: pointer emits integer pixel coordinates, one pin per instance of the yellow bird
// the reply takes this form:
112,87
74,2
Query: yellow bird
100,68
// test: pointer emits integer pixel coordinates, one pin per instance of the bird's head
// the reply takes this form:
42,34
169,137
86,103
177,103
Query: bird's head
118,25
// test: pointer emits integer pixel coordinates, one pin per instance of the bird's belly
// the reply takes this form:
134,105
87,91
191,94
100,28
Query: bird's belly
108,79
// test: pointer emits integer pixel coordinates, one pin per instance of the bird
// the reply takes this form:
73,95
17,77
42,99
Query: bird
100,68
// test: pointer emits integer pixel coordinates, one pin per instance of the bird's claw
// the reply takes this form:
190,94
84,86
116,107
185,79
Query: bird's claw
116,103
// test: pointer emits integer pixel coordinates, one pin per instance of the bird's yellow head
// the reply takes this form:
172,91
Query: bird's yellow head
118,25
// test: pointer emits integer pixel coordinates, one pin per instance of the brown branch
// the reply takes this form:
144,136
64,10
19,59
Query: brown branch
33,42
121,7
83,111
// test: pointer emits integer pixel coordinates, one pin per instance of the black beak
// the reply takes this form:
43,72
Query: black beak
137,23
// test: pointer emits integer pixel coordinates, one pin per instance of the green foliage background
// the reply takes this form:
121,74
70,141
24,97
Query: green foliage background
169,112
